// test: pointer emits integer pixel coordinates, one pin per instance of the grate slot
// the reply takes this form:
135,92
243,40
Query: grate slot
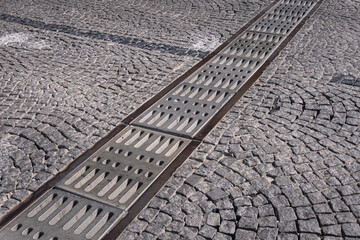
186,109
124,168
284,17
62,215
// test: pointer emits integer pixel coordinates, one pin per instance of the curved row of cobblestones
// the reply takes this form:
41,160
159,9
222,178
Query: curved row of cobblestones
61,92
284,162
199,25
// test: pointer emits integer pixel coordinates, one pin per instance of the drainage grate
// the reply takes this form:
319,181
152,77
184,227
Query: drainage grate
283,18
61,215
229,70
185,110
124,168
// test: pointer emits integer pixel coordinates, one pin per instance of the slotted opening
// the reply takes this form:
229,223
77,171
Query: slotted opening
184,123
140,157
208,82
127,154
154,144
164,146
193,126
108,186
125,135
128,168
207,92
99,179
86,178
133,138
212,96
118,151
52,209
106,162
16,227
194,92
186,91
154,119
179,89
221,97
194,78
119,189
76,217
164,120
42,205
115,164
63,212
147,116
87,221
138,171
130,193
76,175
38,235
201,80
26,231
99,225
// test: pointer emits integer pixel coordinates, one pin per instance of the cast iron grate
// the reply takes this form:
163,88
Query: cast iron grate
125,167
184,110
61,215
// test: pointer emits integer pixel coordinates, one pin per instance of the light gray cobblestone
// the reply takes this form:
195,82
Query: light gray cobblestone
71,72
289,148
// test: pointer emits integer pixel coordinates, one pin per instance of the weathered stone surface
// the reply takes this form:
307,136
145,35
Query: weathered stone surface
282,163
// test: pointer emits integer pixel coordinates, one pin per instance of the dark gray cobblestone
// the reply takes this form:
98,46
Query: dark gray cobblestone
284,162
70,72
196,25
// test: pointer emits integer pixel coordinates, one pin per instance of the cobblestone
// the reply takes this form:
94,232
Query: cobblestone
71,72
282,164
289,148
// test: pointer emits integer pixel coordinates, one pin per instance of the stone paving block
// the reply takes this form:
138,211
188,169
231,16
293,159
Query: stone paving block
244,234
309,226
217,194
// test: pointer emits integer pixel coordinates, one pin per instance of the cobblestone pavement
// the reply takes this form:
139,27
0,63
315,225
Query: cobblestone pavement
284,162
70,71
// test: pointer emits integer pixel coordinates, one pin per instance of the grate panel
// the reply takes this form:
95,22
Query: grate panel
185,110
230,69
253,45
284,17
125,167
62,215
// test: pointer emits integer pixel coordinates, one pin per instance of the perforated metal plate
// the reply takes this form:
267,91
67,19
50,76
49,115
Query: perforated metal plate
283,17
185,110
60,215
108,183
124,168
229,70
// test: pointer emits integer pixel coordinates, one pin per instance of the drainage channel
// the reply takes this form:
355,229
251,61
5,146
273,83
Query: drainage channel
96,197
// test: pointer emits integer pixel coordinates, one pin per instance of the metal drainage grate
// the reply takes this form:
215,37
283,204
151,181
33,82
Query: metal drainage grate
284,17
124,168
185,110
231,68
60,215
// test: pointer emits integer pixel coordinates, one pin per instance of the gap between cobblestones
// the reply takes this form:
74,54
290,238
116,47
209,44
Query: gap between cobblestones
104,36
196,140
